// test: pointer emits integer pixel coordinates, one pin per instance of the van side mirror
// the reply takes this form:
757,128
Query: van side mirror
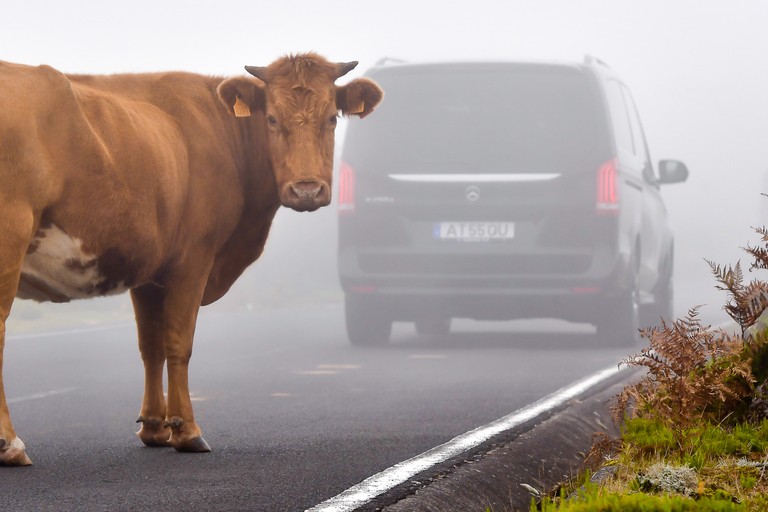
672,171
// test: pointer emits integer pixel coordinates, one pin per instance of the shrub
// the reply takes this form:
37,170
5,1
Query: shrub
693,373
696,373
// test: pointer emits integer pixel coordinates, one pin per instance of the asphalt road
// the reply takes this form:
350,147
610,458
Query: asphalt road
293,413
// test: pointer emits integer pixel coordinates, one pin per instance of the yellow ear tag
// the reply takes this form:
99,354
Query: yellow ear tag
356,109
241,108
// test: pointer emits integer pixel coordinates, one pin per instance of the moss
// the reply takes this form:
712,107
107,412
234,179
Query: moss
648,434
701,463
597,502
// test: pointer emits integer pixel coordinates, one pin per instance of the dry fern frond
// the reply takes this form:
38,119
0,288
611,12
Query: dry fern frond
602,448
697,373
746,303
693,372
760,254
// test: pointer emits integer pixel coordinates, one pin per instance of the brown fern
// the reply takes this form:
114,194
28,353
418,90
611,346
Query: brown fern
760,254
602,448
697,373
693,372
745,303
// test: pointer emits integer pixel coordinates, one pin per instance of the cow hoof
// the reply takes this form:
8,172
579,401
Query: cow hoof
13,454
153,434
154,438
194,445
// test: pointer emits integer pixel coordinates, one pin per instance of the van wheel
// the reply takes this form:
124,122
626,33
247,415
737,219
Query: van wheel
620,322
368,324
433,327
663,302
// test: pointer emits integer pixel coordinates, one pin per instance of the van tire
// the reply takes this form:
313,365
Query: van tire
433,327
619,325
663,302
367,324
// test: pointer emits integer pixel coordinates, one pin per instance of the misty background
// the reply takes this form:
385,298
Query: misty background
697,71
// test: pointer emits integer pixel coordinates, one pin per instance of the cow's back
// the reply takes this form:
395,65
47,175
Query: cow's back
126,169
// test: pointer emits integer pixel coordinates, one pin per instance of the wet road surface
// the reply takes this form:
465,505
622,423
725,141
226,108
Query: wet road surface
293,413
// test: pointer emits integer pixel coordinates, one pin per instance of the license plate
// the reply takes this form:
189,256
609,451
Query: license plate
474,231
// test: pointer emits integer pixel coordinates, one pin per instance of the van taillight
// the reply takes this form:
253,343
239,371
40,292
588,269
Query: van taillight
607,189
346,189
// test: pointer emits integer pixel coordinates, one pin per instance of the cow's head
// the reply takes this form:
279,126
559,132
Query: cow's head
297,100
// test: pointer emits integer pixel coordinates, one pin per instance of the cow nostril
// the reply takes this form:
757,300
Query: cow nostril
305,196
306,190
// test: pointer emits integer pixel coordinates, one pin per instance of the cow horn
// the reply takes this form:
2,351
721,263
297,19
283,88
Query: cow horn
257,71
345,67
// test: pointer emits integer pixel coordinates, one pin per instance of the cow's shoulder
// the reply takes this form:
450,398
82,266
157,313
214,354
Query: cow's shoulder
27,89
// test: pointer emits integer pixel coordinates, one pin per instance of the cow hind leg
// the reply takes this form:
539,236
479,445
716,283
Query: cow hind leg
15,233
148,307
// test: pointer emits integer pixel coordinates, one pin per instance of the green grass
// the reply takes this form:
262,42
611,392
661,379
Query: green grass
595,501
705,467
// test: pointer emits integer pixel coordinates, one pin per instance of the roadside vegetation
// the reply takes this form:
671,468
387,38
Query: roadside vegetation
695,428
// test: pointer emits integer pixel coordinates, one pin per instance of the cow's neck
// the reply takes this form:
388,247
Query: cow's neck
261,202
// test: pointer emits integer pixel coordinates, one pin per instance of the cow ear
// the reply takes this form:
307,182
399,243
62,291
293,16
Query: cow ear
359,97
241,95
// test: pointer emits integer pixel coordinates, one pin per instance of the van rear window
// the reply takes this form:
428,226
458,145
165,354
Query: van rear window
487,119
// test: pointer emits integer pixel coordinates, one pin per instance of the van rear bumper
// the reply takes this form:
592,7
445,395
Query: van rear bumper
410,305
575,297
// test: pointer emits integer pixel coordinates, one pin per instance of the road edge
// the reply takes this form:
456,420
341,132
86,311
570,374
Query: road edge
418,473
543,456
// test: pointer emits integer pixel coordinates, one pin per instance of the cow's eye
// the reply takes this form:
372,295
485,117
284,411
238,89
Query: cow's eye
333,119
271,120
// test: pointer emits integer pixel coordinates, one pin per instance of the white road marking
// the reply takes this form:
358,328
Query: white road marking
65,332
368,489
263,353
37,396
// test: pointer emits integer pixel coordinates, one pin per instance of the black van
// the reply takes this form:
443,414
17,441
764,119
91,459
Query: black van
499,191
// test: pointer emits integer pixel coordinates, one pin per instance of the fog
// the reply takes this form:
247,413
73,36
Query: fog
696,70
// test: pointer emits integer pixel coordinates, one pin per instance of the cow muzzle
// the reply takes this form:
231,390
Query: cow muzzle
306,196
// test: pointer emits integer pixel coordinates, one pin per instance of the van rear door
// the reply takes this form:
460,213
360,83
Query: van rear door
506,155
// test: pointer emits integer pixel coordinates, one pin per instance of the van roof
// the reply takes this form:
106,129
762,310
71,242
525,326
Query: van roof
596,65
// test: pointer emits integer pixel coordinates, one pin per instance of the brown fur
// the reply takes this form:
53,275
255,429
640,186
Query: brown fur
171,193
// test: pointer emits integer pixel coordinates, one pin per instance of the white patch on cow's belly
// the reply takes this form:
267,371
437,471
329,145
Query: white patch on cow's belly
57,269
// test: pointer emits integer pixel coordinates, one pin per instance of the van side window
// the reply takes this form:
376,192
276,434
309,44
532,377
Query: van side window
621,125
638,135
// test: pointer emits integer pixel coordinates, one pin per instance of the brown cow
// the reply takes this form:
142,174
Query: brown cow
163,184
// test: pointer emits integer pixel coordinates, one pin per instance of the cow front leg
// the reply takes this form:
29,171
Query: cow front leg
16,230
148,308
180,308
12,449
